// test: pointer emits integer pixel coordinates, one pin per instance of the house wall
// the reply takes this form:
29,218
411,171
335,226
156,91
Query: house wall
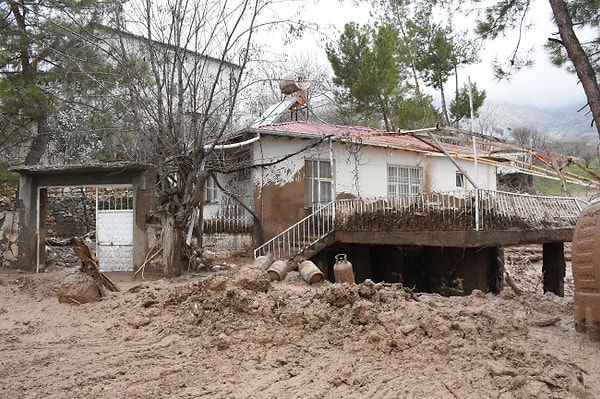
279,189
442,174
371,163
359,172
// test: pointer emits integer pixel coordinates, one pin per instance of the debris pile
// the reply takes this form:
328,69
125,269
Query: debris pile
235,333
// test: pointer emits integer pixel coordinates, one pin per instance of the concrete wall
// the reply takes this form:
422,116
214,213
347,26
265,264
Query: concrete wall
228,244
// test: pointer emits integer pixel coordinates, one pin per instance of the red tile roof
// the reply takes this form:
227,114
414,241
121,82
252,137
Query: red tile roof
317,128
369,136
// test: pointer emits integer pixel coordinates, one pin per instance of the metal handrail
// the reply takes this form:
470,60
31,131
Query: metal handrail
296,238
228,219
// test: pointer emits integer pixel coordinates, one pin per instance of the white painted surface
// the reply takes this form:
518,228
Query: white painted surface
114,237
369,165
227,244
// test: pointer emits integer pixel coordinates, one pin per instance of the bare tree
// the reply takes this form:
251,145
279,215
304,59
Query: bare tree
589,153
528,137
181,82
488,120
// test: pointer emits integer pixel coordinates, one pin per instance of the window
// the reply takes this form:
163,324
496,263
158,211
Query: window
243,175
404,180
211,189
460,179
318,179
243,159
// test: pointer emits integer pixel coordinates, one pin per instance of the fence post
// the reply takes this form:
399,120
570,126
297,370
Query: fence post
333,215
476,209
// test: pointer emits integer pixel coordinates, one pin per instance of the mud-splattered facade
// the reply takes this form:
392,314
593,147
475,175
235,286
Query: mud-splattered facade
320,162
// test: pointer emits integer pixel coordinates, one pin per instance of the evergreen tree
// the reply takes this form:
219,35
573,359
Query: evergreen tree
460,107
46,55
440,51
370,80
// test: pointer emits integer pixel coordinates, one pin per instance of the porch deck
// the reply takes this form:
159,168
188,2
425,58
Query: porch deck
466,218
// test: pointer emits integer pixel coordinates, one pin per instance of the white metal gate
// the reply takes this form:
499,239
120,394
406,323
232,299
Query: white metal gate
114,228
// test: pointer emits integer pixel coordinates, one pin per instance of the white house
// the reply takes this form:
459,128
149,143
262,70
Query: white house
290,167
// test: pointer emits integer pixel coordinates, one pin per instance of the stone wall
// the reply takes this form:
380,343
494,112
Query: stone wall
71,212
8,238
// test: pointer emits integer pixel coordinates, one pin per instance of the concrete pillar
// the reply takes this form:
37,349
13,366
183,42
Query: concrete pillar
553,268
26,208
496,270
41,235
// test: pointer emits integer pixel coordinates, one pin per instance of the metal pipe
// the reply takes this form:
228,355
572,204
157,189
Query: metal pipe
333,177
474,158
234,145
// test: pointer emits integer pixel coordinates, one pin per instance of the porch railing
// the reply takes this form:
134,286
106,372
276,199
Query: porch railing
301,235
229,219
436,211
456,210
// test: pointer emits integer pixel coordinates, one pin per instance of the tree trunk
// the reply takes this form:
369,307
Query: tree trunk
40,141
443,105
172,242
578,57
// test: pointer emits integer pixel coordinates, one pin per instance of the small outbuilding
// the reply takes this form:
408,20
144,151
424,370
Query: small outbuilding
124,197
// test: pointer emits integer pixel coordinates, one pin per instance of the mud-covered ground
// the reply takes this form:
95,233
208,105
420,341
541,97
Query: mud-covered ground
231,333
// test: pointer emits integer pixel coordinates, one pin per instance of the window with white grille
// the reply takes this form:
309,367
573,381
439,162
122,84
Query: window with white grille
404,180
211,189
318,179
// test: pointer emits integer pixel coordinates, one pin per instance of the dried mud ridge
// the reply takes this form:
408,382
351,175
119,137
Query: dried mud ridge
423,218
235,334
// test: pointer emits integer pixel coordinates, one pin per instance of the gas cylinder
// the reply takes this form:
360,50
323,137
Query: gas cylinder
278,270
310,272
263,262
342,270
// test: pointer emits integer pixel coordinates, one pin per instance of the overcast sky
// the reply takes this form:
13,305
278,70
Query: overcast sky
542,86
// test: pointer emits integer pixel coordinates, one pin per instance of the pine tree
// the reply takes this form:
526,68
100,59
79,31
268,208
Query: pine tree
45,49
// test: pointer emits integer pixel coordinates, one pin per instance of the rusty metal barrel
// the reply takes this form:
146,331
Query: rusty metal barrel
342,270
278,270
310,272
586,271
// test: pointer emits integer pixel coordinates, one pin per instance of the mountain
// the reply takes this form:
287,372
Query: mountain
563,124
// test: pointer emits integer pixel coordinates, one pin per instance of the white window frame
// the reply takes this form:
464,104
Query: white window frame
244,175
404,179
211,190
317,183
460,179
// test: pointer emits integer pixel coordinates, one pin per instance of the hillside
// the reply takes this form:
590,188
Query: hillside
564,124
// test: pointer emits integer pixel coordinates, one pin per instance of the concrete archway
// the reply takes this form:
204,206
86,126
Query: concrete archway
31,202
